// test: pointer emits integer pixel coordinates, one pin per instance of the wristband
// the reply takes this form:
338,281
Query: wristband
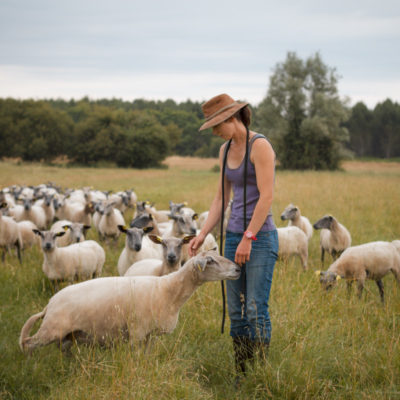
249,235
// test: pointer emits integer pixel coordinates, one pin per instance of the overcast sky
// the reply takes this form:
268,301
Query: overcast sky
183,49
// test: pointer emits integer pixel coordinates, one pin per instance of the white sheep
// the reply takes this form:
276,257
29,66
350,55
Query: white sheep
29,212
293,214
28,238
293,241
367,261
109,309
9,235
79,260
74,232
135,248
334,237
171,262
109,221
47,204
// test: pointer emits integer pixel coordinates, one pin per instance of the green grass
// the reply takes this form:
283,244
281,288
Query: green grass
324,345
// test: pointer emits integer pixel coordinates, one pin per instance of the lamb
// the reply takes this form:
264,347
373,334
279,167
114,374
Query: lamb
293,214
109,309
134,249
334,237
172,254
371,260
74,232
9,235
79,260
293,241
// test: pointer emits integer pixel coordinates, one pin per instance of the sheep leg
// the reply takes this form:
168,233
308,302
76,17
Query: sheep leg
380,287
3,256
322,256
360,287
303,257
18,245
349,287
334,254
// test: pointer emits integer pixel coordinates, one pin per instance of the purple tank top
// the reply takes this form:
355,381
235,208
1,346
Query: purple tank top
235,176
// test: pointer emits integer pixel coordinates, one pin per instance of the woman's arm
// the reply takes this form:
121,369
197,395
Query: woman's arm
214,214
263,158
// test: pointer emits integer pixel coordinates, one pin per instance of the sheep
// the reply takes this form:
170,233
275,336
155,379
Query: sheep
293,214
146,220
30,212
74,232
9,235
28,238
172,254
293,241
79,260
47,204
135,249
78,212
334,237
109,309
109,221
371,260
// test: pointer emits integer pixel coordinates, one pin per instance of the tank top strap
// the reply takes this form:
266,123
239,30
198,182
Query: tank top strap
256,136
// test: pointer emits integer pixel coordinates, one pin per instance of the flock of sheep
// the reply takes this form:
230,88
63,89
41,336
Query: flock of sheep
157,276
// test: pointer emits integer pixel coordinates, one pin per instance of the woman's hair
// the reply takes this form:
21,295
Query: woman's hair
244,115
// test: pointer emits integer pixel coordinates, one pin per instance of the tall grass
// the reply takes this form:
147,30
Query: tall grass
324,345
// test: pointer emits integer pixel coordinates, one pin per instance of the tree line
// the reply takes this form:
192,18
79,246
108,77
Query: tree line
309,125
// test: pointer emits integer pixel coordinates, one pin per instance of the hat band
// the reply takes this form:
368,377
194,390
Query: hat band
221,110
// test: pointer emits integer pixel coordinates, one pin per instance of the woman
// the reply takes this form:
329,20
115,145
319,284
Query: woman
251,241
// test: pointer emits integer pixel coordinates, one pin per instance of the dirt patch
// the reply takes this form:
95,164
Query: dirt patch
192,163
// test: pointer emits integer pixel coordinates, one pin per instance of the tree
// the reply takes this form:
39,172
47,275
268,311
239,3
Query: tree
303,115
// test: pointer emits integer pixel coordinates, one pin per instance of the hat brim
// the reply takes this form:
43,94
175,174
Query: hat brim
223,116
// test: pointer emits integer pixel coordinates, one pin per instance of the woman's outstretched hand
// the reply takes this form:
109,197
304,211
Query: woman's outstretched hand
243,251
195,244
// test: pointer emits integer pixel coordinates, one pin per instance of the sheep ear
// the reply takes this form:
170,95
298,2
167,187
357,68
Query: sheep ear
147,229
185,203
201,264
86,227
188,238
122,228
3,205
338,277
59,234
172,216
318,273
37,232
151,217
66,227
195,216
156,239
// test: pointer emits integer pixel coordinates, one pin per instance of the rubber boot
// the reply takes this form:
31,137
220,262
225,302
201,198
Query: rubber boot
244,350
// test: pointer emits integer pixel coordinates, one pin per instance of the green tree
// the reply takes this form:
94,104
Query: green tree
303,115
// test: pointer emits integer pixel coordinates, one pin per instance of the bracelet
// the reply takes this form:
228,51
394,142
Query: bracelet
249,235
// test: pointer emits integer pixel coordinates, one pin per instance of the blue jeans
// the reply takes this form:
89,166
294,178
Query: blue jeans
255,322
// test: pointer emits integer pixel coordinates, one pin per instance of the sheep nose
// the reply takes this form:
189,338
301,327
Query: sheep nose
47,246
282,218
171,258
78,239
193,230
138,247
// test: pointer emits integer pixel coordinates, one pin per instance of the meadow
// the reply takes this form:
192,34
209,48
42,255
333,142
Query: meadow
325,345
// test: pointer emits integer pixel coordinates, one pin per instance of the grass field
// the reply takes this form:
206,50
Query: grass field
324,345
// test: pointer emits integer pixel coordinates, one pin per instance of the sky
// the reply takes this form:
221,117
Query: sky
184,49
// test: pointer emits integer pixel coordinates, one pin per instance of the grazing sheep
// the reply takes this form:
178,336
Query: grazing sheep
110,309
334,237
367,261
293,214
74,232
79,260
9,235
172,255
293,241
135,248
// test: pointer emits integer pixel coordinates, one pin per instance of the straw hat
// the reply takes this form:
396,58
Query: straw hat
219,109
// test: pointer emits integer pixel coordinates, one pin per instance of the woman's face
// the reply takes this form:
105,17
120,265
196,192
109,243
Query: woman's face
225,129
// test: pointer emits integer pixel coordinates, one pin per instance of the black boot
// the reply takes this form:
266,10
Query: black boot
243,348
